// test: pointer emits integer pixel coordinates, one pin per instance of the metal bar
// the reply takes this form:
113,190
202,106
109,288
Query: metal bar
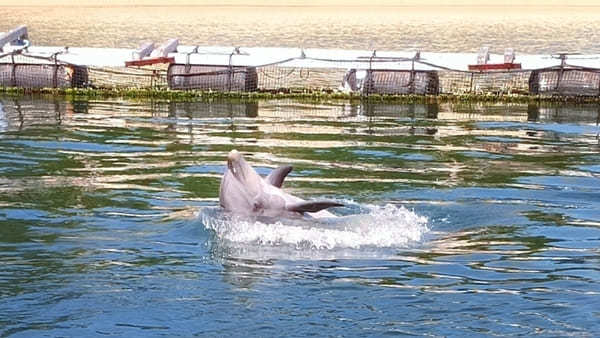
216,72
230,69
54,78
411,80
471,85
563,58
13,79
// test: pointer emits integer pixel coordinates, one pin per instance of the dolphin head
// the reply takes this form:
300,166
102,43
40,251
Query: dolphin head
237,165
242,171
240,184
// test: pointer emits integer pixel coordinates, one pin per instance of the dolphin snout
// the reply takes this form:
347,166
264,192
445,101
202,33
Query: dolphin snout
233,159
234,155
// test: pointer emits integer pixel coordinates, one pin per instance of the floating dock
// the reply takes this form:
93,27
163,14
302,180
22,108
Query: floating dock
169,65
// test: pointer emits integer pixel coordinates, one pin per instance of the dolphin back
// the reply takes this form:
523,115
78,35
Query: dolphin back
309,206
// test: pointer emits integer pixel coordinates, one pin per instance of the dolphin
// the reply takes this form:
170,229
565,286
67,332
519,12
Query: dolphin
243,191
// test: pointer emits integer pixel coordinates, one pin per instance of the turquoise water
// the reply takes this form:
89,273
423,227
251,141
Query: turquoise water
460,220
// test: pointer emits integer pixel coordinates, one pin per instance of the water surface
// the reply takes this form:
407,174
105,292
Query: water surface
526,29
460,220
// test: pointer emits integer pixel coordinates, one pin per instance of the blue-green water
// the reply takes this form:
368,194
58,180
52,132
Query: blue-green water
460,220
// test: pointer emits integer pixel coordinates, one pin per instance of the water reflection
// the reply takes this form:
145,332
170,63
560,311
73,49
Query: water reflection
245,273
19,112
95,141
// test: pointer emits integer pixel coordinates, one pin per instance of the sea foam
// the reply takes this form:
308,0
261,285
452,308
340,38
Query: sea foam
373,226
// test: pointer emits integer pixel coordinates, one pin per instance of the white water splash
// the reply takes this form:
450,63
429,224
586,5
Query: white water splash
377,226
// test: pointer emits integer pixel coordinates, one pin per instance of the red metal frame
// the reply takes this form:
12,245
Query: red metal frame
152,61
495,66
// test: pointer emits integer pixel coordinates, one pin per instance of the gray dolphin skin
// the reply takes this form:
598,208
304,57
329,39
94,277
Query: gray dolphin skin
243,191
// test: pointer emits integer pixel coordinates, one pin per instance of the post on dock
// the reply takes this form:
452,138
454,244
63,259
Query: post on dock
13,75
563,63
368,83
236,51
411,81
188,66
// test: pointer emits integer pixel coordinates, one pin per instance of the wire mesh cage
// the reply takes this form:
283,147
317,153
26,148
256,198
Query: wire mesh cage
401,82
121,77
500,82
560,81
299,78
23,71
217,78
496,82
36,75
452,82
360,75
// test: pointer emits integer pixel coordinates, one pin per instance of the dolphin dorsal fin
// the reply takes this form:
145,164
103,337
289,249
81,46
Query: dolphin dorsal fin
307,206
277,176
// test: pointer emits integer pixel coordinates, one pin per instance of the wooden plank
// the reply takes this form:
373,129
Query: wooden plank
495,66
168,47
143,51
15,34
148,62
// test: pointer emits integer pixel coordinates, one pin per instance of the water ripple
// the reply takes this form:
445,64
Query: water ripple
480,220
